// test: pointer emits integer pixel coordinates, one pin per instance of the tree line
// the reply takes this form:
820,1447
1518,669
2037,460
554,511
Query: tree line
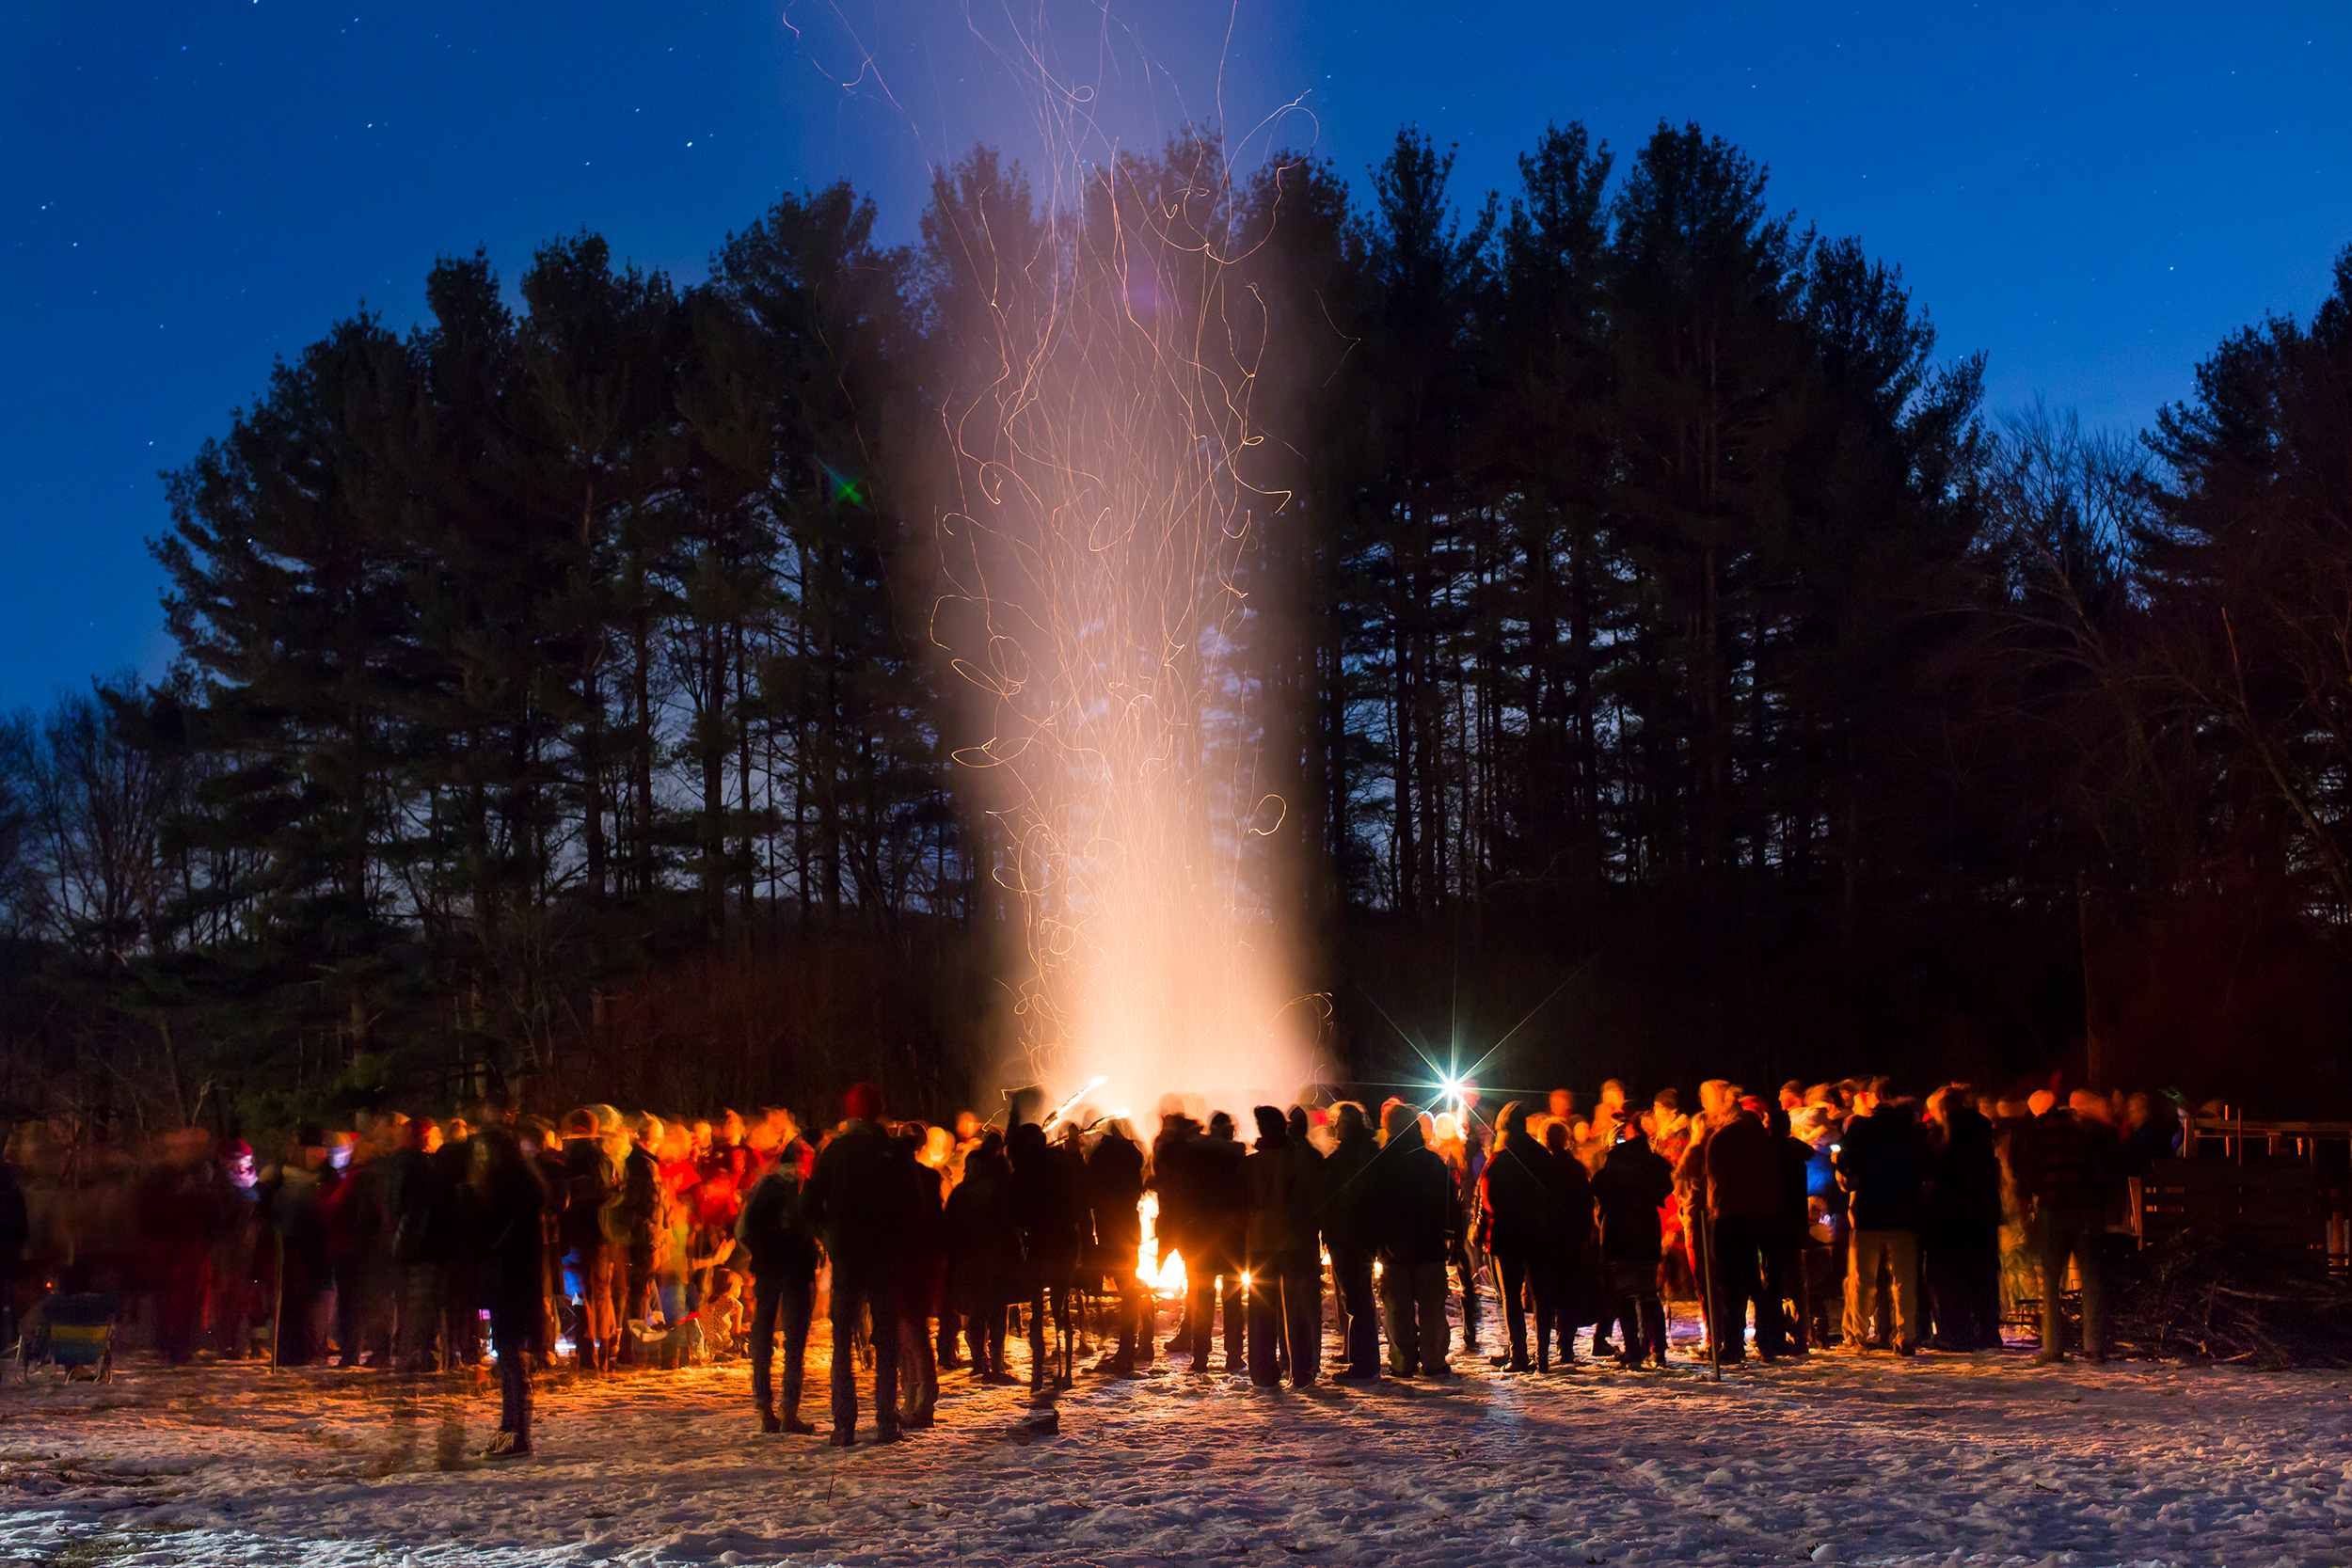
1663,659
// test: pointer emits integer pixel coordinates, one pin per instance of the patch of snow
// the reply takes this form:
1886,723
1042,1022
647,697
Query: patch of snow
1966,1461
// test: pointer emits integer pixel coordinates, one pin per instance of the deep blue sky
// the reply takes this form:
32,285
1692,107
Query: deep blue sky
2094,193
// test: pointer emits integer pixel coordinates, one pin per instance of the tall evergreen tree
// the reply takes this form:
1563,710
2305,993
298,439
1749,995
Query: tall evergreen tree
1553,466
296,610
1430,276
2245,560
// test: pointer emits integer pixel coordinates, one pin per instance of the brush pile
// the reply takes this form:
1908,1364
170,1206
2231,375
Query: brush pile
2198,1298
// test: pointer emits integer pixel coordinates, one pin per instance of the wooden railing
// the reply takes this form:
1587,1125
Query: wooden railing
2269,1185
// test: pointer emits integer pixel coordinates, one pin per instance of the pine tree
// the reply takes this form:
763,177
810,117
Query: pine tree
296,609
1430,276
1711,366
1547,420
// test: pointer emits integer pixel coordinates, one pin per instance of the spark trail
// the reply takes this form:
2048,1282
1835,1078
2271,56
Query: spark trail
1102,550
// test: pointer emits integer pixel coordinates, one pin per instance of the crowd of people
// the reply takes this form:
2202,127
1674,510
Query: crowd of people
1834,1216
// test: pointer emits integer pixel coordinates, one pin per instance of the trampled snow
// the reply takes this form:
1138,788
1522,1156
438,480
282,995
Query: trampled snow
1943,1460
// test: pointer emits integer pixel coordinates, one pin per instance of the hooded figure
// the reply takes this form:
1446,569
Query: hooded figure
2069,1166
173,1211
1570,1263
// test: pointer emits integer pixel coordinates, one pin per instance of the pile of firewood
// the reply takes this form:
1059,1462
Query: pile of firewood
2202,1299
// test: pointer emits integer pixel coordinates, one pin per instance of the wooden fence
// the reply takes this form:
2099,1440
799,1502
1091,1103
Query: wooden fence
2274,1184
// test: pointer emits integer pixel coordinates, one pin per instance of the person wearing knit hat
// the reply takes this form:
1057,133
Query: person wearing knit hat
856,1201
862,1102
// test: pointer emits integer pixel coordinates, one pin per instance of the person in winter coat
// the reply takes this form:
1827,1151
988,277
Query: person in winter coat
1715,1105
1350,1222
591,1183
1418,1214
1741,1190
1961,1231
235,1306
984,1254
462,1298
1520,1230
1114,1196
1882,1164
1785,1245
856,1203
2070,1172
773,1235
357,1211
1286,1268
922,1271
1827,1234
173,1211
1561,1277
1176,1228
1631,1193
637,1227
1465,1153
941,1156
1047,1211
16,1229
291,1204
509,1201
543,1146
1221,1217
422,1204
730,1157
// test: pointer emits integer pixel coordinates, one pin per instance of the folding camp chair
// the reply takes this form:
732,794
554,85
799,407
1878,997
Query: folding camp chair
75,1333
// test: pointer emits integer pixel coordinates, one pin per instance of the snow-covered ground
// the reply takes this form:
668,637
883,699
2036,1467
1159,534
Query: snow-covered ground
1939,1460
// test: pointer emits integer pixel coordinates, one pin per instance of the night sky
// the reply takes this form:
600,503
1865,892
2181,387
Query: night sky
2094,194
